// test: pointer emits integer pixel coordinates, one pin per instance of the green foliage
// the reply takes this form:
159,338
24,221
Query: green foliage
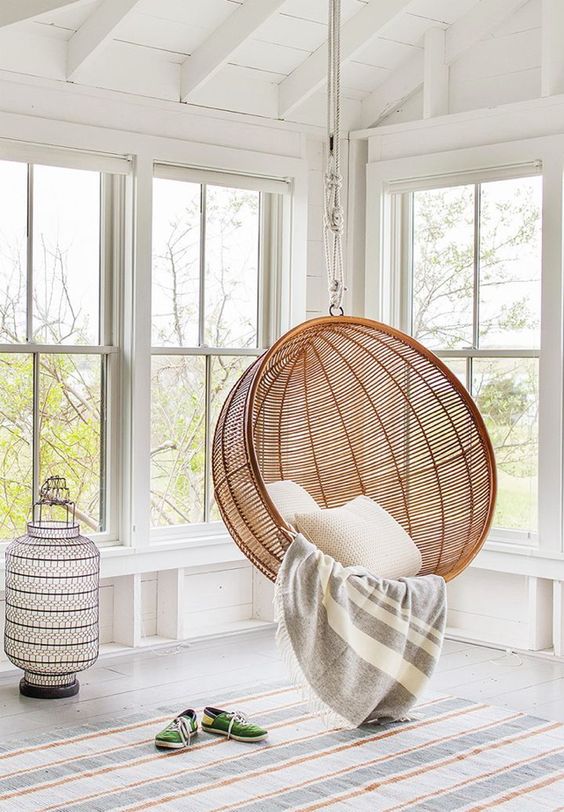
506,390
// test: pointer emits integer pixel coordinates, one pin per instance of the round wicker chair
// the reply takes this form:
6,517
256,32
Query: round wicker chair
347,406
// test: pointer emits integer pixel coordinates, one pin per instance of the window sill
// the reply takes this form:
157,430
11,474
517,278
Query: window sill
211,545
197,551
520,559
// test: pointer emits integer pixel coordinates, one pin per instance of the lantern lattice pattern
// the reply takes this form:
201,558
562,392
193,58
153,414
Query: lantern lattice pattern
52,581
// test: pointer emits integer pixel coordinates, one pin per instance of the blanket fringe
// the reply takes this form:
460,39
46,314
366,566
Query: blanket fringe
331,718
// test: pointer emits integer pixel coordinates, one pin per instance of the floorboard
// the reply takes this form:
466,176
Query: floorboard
118,685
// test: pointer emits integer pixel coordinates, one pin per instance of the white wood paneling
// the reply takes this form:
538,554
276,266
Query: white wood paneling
68,18
106,612
445,11
169,604
268,56
358,30
233,88
480,20
498,56
149,604
14,11
127,606
153,31
490,606
552,76
526,17
558,618
222,43
317,9
95,32
286,29
361,76
263,596
216,599
386,53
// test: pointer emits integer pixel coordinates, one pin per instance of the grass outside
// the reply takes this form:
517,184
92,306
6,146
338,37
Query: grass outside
516,507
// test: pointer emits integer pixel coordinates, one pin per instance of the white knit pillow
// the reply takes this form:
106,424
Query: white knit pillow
362,533
290,498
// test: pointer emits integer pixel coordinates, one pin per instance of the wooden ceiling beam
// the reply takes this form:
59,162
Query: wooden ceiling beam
482,19
218,48
355,33
95,33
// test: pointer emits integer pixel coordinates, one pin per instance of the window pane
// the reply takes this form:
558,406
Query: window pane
506,391
232,263
458,366
443,267
66,255
71,421
177,440
16,432
510,263
13,251
225,372
176,263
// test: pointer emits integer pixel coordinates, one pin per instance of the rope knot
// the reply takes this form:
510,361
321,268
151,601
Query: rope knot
335,219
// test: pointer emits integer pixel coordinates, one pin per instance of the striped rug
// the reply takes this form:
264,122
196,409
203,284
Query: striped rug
455,755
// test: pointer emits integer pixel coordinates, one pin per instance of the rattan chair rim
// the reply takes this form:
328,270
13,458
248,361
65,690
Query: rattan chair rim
348,323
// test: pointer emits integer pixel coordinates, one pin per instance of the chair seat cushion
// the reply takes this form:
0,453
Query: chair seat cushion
290,498
362,533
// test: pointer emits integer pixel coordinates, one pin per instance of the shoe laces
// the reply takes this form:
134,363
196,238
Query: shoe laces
181,726
236,716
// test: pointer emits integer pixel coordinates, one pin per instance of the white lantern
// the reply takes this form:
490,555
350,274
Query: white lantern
52,583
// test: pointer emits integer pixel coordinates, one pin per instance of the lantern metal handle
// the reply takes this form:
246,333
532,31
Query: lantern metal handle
54,492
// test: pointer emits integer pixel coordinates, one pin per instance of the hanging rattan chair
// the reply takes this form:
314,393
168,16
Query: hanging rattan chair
346,406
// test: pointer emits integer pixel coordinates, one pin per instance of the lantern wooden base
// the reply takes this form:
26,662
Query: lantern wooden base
28,687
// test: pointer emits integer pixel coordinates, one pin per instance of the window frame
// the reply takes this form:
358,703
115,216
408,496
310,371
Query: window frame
108,348
487,161
273,192
402,205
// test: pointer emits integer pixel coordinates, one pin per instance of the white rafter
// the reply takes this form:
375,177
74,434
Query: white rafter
16,11
482,18
355,33
95,32
552,67
435,73
216,50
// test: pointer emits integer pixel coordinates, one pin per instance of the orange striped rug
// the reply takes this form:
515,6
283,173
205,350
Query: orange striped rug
455,755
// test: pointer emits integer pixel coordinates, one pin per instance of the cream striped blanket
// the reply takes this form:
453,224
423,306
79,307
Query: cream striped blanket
361,647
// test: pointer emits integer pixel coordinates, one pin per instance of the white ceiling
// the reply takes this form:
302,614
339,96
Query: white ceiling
144,51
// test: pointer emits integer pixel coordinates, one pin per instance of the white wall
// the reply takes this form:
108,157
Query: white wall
504,67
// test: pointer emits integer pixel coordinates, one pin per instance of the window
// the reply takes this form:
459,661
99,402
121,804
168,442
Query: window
55,339
472,288
208,325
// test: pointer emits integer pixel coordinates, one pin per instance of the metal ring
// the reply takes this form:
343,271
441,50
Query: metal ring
340,311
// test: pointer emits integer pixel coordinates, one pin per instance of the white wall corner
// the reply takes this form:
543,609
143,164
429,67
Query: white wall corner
127,610
263,595
170,604
540,614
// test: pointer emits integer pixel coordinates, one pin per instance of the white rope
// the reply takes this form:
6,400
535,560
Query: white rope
333,220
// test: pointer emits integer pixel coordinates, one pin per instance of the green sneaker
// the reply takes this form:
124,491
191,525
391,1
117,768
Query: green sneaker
179,732
232,724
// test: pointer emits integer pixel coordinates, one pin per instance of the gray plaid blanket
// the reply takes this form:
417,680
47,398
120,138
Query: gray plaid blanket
362,648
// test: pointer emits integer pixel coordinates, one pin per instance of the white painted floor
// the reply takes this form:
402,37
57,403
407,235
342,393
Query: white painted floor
181,674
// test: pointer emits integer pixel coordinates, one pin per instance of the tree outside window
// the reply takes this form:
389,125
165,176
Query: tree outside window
475,291
205,304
